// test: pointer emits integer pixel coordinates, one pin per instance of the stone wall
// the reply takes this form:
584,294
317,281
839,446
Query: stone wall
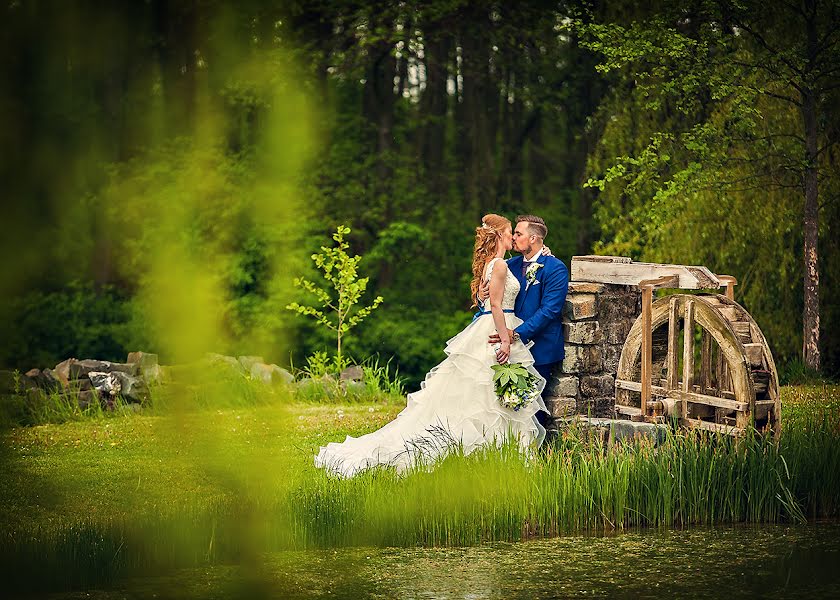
596,320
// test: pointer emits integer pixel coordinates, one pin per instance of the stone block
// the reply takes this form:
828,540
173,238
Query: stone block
593,386
270,373
132,389
248,361
585,287
218,360
82,368
582,359
612,356
615,331
354,373
603,406
559,406
580,306
143,359
582,332
62,370
561,385
87,397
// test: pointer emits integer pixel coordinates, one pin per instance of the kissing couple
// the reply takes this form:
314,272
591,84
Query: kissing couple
519,321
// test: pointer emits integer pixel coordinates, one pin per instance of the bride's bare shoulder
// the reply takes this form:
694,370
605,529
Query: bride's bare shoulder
496,265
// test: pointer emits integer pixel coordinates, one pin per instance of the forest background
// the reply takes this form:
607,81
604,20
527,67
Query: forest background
169,162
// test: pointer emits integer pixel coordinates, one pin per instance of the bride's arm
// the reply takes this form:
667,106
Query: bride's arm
497,292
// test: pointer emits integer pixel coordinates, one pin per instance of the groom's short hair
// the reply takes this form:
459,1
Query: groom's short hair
536,226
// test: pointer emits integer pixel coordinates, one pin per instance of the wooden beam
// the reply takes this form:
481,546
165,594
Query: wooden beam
647,346
607,269
635,386
705,362
688,353
628,410
673,359
727,429
729,282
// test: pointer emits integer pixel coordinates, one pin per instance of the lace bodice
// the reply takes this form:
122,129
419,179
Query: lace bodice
511,288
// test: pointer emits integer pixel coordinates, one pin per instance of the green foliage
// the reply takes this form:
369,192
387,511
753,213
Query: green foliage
336,306
79,320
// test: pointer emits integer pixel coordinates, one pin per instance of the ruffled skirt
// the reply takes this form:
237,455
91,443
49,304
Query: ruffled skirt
455,409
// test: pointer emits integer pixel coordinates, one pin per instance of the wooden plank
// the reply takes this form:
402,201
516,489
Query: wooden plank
632,386
755,354
705,362
709,400
632,411
602,259
587,268
672,360
720,370
688,353
742,330
727,429
694,397
647,344
730,313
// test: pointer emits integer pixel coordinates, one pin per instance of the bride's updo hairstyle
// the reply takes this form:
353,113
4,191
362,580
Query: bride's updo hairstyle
486,236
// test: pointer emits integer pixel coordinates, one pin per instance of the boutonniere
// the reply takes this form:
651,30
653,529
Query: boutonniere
531,273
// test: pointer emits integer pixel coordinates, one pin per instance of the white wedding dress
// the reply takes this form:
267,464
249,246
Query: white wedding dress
456,405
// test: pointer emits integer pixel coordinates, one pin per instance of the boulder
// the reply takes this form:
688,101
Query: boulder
354,373
45,380
227,361
143,360
248,361
62,370
52,380
270,373
108,384
147,365
132,389
82,368
86,398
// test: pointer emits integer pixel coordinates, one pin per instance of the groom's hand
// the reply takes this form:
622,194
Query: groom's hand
495,339
484,290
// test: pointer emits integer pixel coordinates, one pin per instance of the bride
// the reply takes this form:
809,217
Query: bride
456,406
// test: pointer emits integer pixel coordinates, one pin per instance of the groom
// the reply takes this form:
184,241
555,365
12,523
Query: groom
544,281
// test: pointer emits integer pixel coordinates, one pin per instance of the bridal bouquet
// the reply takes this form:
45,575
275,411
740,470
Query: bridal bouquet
515,386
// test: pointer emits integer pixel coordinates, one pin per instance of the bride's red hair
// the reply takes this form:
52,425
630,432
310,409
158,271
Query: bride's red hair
486,237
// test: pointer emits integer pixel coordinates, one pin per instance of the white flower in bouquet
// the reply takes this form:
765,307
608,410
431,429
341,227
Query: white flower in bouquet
515,386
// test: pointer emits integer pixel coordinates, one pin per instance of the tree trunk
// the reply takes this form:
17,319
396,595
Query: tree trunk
811,312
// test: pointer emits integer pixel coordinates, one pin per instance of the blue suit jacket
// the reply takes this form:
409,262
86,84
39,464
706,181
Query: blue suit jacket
540,306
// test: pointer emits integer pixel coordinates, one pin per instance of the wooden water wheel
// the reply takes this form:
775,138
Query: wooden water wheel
701,359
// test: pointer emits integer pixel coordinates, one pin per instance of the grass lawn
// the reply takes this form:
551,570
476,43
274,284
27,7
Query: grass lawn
87,501
135,465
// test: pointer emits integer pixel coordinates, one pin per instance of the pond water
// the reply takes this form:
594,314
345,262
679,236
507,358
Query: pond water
737,562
